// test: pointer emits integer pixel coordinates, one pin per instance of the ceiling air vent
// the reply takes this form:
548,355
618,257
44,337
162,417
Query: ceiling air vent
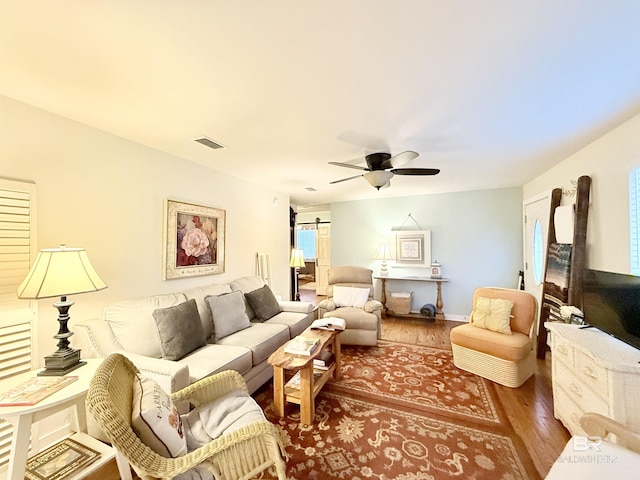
207,142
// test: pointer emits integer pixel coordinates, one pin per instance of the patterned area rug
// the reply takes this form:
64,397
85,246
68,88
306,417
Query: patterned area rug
417,377
401,412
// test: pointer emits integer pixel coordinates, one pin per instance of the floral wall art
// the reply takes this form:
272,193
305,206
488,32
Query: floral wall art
193,240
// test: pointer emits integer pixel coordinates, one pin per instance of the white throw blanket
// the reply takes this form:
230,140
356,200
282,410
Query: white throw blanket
211,420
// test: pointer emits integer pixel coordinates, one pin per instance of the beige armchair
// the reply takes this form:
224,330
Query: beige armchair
240,452
363,322
505,358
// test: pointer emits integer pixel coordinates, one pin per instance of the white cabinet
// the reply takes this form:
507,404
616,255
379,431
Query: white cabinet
593,372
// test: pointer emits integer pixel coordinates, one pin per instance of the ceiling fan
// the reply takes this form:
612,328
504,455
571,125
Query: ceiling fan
381,167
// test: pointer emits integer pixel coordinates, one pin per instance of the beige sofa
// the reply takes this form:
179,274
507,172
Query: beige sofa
129,327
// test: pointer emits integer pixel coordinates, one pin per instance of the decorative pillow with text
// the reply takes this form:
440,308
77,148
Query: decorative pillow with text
156,420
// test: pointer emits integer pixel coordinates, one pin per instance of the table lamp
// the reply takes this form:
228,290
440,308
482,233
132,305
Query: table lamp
297,261
58,272
383,253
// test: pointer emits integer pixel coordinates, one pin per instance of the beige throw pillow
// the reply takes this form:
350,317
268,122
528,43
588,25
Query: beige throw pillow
492,314
156,420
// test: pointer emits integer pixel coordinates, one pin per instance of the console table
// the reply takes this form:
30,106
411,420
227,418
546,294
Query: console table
593,372
411,278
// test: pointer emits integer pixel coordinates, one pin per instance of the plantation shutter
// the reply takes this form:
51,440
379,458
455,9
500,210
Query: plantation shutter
17,317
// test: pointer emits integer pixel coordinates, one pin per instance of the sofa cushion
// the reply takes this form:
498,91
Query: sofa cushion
296,322
492,314
262,339
155,419
213,358
198,295
514,347
245,285
180,330
132,320
263,302
350,296
228,313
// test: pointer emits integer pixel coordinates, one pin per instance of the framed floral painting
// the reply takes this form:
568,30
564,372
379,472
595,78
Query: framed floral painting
194,240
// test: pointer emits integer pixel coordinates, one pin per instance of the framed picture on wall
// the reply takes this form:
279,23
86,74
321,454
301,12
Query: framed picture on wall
194,240
413,248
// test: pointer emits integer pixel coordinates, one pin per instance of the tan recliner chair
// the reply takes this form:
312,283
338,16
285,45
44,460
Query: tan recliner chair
507,359
363,324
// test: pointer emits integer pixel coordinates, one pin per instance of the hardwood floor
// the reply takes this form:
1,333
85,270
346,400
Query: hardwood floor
529,408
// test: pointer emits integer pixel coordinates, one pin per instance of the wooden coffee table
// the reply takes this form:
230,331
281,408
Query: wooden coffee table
309,386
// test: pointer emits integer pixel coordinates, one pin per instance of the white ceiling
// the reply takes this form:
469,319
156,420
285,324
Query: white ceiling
491,92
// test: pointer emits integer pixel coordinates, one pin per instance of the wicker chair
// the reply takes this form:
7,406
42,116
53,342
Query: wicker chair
505,359
240,454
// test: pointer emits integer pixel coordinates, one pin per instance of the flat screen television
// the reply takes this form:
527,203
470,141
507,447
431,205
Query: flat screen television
611,303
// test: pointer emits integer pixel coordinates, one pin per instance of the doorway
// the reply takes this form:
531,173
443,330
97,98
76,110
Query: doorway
536,233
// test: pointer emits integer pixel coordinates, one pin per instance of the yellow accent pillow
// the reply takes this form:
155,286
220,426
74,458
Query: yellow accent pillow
492,314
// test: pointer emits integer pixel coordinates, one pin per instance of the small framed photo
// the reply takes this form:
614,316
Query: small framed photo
194,240
413,248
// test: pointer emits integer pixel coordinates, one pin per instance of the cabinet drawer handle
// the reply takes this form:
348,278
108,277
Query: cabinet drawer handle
589,372
562,349
575,389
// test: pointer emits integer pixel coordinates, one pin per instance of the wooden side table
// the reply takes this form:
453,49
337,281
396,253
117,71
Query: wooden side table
309,386
71,396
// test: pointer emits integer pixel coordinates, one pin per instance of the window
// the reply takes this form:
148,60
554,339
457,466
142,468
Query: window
306,240
634,220
17,317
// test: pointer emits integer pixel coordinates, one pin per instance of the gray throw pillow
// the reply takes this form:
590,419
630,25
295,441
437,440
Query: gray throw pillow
264,303
228,313
180,330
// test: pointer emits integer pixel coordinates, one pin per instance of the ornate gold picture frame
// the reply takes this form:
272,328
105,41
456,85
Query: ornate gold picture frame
194,240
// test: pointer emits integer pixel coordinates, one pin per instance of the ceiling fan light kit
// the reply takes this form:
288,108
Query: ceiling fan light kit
378,178
381,167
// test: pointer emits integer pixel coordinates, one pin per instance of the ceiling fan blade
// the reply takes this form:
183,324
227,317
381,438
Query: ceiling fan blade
344,179
400,159
356,167
415,171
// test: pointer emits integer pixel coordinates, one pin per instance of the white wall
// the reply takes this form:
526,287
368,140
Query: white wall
607,161
106,194
476,236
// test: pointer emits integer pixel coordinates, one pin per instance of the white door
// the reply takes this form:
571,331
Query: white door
323,258
536,235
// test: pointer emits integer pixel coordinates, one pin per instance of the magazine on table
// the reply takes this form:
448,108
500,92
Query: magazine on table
302,345
294,382
33,390
60,461
324,360
331,323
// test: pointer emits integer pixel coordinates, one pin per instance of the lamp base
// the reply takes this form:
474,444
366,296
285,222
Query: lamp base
61,363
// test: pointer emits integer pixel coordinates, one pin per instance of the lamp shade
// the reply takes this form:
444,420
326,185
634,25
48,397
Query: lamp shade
383,252
297,258
59,272
378,178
